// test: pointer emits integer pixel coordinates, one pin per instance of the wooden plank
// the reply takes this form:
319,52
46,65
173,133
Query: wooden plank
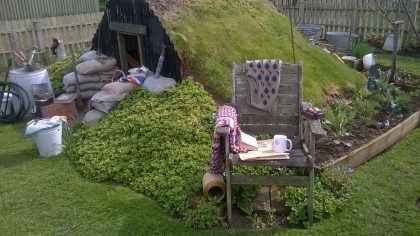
284,88
287,129
281,109
128,28
297,159
268,118
283,99
269,180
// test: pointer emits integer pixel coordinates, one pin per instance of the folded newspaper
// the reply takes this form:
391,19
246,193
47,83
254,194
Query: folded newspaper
264,152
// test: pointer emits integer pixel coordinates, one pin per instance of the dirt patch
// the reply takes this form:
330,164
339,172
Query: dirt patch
167,9
327,150
418,202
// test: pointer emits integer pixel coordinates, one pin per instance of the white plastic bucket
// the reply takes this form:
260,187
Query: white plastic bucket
26,79
48,141
368,61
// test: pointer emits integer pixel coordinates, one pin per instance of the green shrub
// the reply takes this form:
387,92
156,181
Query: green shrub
206,215
57,71
331,190
338,116
390,97
375,39
365,109
360,49
158,145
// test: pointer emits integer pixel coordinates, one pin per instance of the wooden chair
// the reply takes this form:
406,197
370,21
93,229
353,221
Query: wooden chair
288,120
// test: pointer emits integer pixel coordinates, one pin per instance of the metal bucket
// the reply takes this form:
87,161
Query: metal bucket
340,40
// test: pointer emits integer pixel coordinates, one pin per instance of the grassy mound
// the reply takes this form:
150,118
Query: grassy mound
211,35
158,145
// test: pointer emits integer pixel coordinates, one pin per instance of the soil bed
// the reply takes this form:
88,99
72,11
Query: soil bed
327,151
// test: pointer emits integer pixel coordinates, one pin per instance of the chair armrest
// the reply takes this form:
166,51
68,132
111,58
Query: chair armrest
312,129
314,124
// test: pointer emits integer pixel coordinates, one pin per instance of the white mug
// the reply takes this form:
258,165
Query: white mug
280,143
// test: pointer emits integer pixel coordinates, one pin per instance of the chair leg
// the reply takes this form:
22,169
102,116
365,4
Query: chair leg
311,195
229,197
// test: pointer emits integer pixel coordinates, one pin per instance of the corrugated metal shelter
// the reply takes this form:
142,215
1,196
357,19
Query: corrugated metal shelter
28,9
131,24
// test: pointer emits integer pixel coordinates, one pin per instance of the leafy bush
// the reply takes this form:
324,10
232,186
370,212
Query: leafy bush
57,71
206,215
360,49
390,97
158,145
365,109
375,39
338,116
332,188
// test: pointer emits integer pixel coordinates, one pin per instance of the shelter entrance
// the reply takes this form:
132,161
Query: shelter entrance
130,44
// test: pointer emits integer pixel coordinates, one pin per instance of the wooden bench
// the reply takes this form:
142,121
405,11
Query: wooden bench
288,120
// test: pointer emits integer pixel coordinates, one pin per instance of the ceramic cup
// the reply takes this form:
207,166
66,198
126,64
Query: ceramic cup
280,143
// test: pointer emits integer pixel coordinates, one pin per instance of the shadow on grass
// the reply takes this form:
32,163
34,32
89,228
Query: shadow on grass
10,160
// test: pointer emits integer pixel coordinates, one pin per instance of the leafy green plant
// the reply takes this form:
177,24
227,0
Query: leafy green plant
365,109
206,215
332,188
57,71
390,97
157,145
360,49
338,116
268,220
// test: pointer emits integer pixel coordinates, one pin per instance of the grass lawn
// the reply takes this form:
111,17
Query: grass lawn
409,64
212,34
47,196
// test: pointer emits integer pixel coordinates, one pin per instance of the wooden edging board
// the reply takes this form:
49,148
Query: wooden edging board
366,152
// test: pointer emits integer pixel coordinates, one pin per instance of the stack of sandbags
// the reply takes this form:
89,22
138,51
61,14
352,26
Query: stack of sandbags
102,102
92,75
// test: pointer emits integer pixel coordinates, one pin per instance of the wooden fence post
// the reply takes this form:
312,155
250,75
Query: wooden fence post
397,26
414,9
301,18
38,34
14,38
355,18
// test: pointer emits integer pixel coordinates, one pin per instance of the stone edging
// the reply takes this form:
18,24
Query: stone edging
366,152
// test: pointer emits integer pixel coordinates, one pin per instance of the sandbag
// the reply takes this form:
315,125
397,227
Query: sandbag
103,106
100,64
119,88
92,117
106,96
158,85
89,56
106,76
84,87
88,94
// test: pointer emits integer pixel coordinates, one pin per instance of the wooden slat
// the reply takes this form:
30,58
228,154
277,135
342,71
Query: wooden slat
284,87
283,99
281,109
127,28
288,129
270,180
269,118
297,159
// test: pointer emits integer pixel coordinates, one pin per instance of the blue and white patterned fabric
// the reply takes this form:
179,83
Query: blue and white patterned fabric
264,80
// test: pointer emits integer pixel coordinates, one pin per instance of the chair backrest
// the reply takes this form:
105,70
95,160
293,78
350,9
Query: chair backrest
286,120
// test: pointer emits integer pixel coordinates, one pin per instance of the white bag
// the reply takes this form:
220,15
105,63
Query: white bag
368,61
158,85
